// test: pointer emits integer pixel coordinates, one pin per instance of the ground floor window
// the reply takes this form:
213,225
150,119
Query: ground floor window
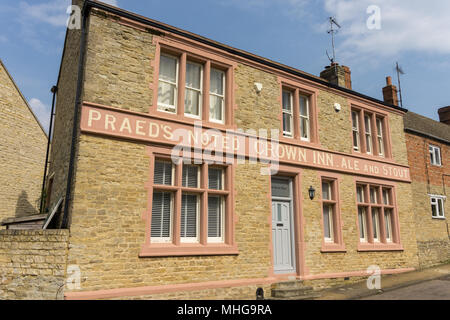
331,216
190,207
377,222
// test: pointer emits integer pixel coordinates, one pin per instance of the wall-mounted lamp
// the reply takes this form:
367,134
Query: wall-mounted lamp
337,107
312,192
258,87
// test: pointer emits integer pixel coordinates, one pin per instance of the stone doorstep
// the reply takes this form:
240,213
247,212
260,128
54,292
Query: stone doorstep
294,290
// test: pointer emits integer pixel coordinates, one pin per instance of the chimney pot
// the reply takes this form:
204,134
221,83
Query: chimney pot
389,80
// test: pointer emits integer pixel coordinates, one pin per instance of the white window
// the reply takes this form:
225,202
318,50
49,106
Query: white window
367,124
355,129
216,219
376,224
329,205
437,207
388,224
328,222
287,113
360,194
193,93
362,224
373,195
162,212
168,84
217,96
191,176
386,197
380,137
190,206
304,118
435,155
163,173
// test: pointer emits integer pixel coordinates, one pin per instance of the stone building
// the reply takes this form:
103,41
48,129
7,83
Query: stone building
191,169
428,143
23,146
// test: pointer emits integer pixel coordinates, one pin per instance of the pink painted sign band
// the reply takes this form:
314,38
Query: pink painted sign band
228,143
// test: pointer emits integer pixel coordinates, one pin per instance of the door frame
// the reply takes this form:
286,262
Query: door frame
293,173
290,201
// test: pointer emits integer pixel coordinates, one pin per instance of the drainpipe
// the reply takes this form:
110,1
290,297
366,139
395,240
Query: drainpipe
65,219
54,90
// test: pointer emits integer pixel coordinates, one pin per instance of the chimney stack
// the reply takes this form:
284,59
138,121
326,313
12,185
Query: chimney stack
338,75
390,93
444,115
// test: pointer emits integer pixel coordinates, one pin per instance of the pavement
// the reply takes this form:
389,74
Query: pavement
426,284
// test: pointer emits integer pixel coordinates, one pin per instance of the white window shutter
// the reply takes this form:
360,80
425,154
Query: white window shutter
215,178
215,217
161,215
189,208
190,176
163,173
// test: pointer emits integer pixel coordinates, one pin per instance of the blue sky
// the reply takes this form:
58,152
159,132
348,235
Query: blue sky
292,32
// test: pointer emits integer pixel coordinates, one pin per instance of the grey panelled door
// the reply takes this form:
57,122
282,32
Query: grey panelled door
282,237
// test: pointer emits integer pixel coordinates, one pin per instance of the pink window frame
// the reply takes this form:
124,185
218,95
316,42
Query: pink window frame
338,244
176,247
373,114
208,61
298,90
383,245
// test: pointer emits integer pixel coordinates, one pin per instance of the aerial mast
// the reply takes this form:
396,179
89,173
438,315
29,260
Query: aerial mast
333,32
399,72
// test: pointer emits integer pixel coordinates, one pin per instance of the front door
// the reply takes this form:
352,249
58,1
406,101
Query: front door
282,235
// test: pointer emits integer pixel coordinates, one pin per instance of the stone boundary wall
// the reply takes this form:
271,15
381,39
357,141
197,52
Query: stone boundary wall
33,264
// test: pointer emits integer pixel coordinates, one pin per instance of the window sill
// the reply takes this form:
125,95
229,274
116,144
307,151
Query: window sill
438,218
364,247
370,156
187,249
333,248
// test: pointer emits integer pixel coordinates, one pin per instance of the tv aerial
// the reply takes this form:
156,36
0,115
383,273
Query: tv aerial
399,72
333,31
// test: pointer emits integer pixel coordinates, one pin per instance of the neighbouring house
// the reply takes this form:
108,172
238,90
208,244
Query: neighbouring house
428,143
23,146
193,170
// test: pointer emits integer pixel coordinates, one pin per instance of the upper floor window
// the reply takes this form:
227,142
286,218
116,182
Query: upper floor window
369,133
355,130
304,118
288,114
193,88
168,83
193,92
435,155
296,115
217,96
437,207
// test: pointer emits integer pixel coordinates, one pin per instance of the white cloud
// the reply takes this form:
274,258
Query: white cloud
41,111
53,12
406,25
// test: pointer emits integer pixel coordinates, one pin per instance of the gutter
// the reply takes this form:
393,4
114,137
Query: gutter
65,219
155,24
